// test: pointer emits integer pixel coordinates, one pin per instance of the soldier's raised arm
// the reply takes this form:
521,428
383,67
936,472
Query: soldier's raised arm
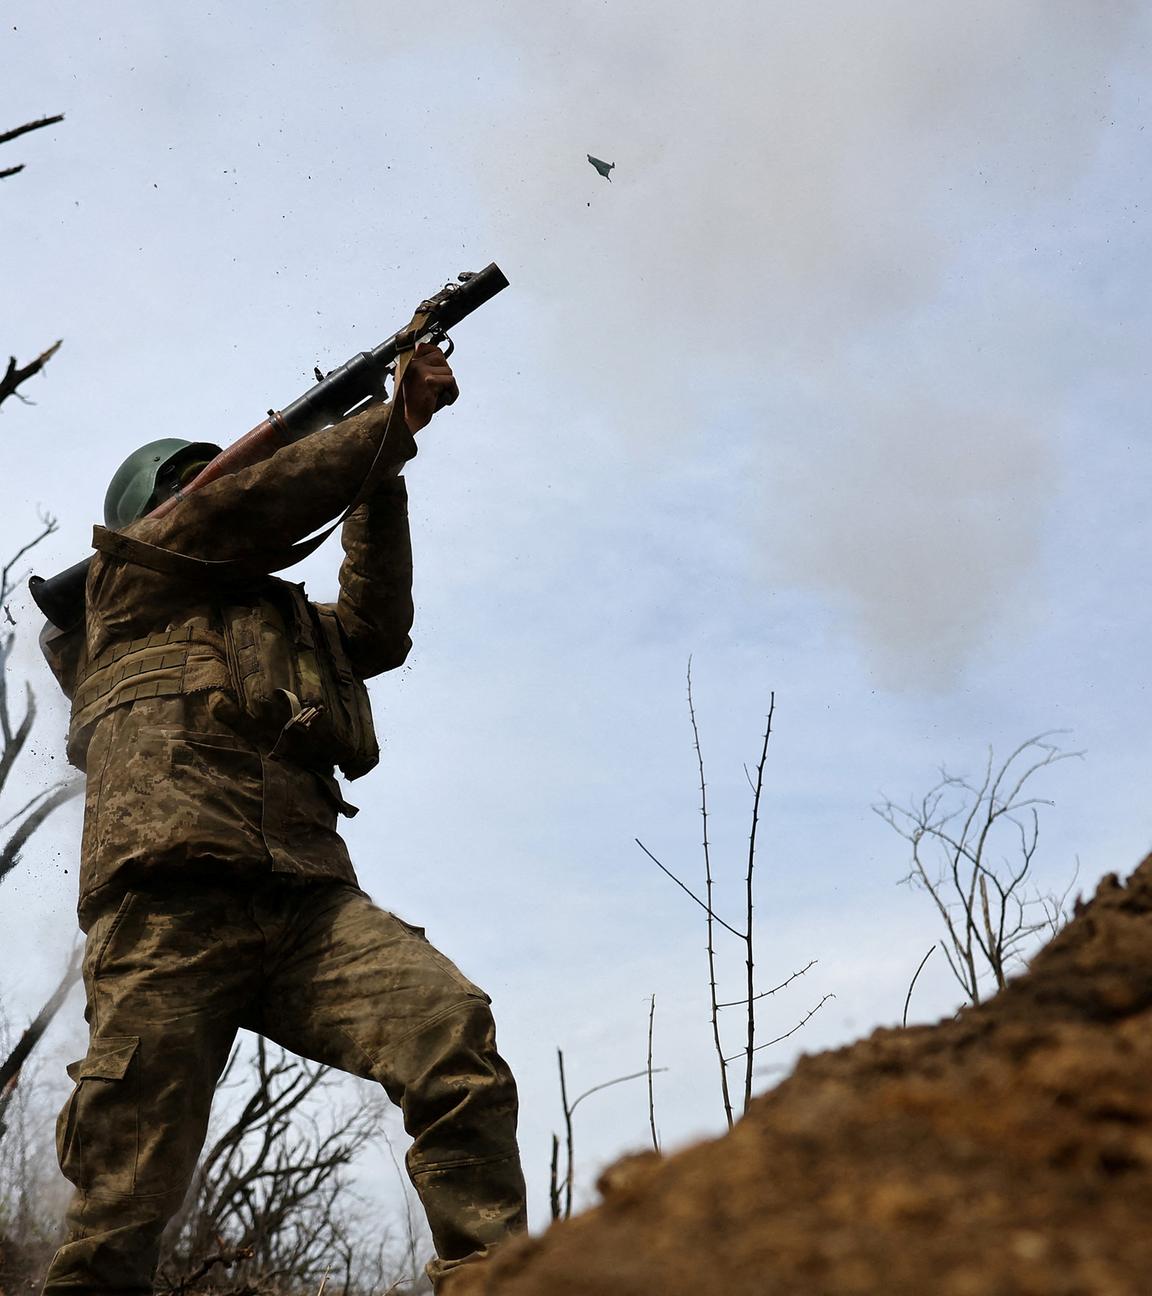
375,604
261,508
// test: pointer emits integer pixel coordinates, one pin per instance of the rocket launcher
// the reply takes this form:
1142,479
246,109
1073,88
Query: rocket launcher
356,383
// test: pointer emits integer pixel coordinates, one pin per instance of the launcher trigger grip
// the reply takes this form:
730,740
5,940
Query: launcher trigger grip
437,337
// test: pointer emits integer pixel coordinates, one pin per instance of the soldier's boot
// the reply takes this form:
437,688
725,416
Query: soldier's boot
113,1244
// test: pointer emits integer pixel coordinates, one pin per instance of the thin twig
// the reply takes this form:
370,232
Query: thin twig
7,583
410,1229
795,1028
691,894
19,814
636,1075
912,983
750,961
651,1090
736,1003
708,908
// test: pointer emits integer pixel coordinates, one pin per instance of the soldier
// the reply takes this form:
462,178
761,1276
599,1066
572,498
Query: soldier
211,704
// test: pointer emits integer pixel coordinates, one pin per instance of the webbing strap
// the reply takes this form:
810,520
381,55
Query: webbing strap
121,661
171,563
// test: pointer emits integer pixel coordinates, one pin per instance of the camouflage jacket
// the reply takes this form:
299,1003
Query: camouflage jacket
184,785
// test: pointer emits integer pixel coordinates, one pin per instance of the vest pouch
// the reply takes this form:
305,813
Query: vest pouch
296,684
347,701
264,665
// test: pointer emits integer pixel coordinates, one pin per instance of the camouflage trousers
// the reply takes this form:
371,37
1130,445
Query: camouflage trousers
319,969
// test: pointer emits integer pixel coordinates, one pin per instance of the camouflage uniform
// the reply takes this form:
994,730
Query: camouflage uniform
215,890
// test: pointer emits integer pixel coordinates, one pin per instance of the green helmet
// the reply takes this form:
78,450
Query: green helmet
130,494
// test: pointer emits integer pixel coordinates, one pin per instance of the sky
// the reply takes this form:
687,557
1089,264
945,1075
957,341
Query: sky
838,387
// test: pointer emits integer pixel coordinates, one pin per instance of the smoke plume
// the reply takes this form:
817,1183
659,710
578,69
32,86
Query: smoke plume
820,221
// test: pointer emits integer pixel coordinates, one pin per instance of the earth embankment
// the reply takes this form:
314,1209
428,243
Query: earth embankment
1007,1152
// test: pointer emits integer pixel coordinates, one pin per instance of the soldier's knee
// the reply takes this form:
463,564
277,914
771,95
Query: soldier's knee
455,1049
463,1027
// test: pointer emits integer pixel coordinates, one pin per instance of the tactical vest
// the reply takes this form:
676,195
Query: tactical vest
281,658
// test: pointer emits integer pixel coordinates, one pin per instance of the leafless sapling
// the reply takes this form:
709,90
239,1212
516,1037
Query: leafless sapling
560,1188
746,934
974,849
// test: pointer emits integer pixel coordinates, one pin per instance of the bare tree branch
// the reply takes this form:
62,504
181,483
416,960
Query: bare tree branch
16,374
691,894
16,132
227,1258
14,739
10,855
273,1181
14,1062
38,124
34,799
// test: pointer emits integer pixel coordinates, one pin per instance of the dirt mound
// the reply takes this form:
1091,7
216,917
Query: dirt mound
1005,1153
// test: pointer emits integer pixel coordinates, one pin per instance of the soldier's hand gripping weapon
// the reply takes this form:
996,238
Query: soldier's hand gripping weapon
357,383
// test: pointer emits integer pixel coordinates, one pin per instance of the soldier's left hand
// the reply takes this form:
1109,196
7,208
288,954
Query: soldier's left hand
428,386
